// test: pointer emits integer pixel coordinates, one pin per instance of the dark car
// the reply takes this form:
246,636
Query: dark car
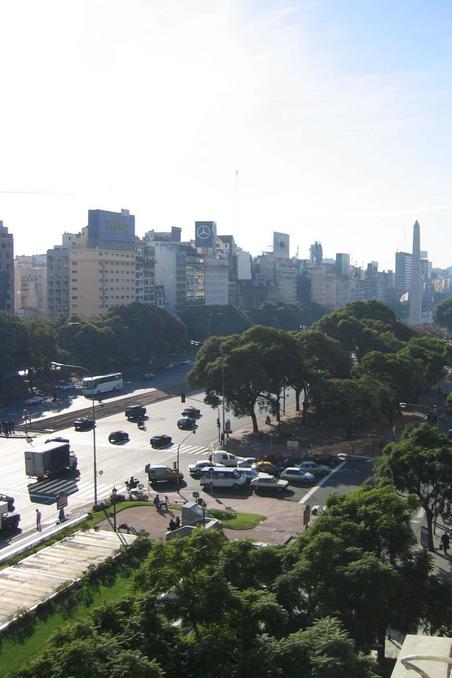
187,424
83,424
135,412
57,439
191,412
9,500
118,437
161,441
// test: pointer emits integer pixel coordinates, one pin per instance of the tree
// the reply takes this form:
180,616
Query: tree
231,366
442,314
421,464
206,321
14,349
351,402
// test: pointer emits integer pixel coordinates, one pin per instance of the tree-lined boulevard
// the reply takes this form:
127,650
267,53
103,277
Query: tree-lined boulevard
339,585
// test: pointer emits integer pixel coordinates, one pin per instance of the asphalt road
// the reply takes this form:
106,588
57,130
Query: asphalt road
116,463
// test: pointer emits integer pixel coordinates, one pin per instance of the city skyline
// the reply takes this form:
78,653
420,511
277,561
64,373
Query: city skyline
334,115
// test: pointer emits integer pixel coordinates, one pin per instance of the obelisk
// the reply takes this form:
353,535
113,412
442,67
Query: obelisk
415,297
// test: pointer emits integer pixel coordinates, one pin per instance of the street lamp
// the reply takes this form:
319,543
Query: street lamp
178,456
85,369
114,493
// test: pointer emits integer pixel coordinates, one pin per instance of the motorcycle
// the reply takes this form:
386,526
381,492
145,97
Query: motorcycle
132,484
141,425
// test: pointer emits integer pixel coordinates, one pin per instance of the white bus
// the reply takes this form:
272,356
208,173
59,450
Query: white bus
102,384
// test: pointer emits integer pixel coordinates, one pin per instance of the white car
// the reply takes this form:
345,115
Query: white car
246,462
264,481
248,472
296,475
314,467
201,465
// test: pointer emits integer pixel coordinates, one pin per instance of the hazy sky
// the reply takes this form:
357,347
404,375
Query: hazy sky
335,113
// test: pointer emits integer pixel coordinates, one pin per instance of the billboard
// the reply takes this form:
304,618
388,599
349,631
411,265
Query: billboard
108,227
205,233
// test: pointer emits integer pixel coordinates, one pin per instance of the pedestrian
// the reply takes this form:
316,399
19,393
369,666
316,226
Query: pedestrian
61,515
38,520
172,525
157,502
445,541
13,425
177,522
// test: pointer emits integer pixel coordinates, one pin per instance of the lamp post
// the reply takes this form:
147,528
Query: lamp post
114,492
88,371
178,457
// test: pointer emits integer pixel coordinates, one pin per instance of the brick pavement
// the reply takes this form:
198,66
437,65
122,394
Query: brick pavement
283,518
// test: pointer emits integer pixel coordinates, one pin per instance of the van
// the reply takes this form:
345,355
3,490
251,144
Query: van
135,412
161,474
223,477
225,458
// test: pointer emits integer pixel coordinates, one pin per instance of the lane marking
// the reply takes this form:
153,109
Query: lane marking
314,489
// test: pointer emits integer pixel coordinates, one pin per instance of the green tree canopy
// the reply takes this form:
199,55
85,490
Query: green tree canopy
442,314
421,464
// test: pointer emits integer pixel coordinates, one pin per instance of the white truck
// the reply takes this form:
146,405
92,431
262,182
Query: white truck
50,459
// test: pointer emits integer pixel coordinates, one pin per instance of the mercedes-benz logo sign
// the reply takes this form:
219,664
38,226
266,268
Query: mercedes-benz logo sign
203,231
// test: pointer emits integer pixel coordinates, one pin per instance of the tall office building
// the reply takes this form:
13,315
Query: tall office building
102,264
415,313
403,269
343,264
6,270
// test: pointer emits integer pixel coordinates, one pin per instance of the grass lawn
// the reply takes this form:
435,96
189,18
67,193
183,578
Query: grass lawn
237,521
14,652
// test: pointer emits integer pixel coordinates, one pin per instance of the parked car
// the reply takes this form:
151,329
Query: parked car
313,467
294,474
148,375
185,361
118,437
161,441
266,482
266,467
9,500
169,366
134,412
199,466
187,424
57,439
83,424
222,477
248,472
288,461
159,473
246,462
192,412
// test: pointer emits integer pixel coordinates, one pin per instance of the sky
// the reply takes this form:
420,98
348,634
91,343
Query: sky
329,120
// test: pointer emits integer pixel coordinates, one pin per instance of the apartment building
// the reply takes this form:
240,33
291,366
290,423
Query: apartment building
6,270
99,279
30,284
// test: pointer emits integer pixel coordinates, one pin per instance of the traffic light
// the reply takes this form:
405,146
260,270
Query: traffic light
174,466
182,397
